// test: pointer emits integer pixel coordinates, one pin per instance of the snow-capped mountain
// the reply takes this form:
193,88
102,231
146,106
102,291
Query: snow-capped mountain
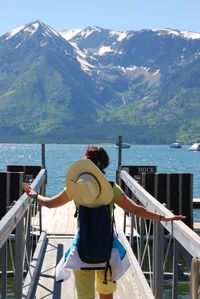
139,83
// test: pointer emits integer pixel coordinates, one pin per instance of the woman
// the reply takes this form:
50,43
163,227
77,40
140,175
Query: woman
84,279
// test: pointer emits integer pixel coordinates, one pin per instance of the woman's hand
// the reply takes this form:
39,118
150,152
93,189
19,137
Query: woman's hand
172,217
27,188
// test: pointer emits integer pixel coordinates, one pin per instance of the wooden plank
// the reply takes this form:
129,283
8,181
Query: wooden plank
46,286
143,289
189,239
60,220
34,266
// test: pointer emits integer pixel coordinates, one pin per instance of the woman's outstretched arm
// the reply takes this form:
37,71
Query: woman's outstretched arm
49,202
128,205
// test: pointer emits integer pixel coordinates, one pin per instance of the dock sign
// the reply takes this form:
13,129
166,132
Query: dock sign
136,171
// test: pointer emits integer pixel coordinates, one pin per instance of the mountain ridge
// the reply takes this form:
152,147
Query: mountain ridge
76,90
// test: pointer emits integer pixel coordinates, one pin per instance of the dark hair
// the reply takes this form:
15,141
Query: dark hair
98,156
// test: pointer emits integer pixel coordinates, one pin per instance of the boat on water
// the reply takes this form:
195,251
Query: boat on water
195,147
175,145
124,145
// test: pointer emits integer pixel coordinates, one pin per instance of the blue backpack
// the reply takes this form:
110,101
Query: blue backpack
96,235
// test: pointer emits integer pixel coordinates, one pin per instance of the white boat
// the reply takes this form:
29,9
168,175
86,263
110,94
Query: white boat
175,145
124,145
195,147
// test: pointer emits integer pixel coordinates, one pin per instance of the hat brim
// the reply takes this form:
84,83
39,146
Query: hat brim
87,166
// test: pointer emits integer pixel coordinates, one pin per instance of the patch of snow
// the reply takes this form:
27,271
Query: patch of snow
43,44
89,31
145,68
114,32
18,45
78,51
182,33
104,50
166,31
122,36
118,53
14,31
123,100
133,68
85,66
31,29
190,35
49,31
156,72
69,33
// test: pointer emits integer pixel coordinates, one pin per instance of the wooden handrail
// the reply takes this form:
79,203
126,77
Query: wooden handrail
180,231
11,219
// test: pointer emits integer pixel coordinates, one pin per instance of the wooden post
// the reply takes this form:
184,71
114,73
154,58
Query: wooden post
175,270
194,278
19,251
43,156
3,191
43,188
158,259
119,160
4,271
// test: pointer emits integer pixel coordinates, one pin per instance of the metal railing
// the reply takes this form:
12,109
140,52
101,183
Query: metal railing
177,234
18,225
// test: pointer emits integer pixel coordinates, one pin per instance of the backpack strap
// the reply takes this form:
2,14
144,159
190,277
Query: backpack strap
108,266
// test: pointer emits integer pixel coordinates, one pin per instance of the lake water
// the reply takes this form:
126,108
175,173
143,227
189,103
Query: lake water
60,156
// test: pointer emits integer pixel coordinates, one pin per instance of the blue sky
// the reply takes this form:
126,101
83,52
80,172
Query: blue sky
119,14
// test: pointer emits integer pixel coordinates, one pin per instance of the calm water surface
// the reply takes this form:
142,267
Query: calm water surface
60,156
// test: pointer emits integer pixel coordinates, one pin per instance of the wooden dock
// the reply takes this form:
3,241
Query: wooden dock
53,231
61,227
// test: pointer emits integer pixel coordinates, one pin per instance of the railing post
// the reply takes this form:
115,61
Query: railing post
4,271
19,254
28,237
175,270
43,187
141,240
194,279
119,160
19,251
158,259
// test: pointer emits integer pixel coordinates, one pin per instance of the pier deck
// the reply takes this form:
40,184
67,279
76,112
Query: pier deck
47,287
61,226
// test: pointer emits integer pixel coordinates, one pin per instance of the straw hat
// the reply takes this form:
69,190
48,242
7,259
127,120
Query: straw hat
87,185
